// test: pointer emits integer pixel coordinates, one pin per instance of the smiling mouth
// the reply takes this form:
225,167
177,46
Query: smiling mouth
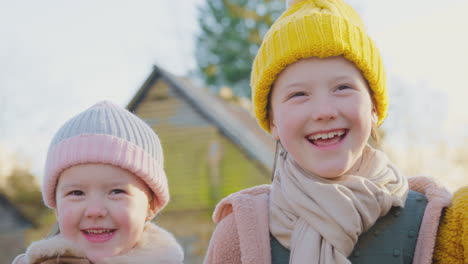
98,231
327,138
98,235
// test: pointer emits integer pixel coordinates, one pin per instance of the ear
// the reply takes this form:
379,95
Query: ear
152,211
151,214
375,118
273,127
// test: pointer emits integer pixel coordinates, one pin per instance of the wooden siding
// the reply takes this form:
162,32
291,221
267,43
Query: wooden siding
201,163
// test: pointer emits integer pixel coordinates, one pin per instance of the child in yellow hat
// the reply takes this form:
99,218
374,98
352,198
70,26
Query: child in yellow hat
319,87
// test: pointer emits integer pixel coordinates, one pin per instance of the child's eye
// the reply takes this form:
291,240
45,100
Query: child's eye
296,94
76,193
343,87
117,191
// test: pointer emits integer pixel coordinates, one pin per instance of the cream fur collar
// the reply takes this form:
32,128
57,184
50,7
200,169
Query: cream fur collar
156,246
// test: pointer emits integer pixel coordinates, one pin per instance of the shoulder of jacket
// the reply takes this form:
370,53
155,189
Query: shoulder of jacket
438,198
435,192
239,200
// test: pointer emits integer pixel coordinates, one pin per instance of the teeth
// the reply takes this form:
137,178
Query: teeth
99,231
327,135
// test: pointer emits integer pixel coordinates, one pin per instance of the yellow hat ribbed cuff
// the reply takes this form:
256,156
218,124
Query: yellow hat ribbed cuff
316,35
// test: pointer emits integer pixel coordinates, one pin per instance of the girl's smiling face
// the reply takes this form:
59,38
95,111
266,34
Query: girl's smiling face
322,112
102,208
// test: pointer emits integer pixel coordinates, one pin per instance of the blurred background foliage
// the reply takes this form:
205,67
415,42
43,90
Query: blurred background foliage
231,32
22,190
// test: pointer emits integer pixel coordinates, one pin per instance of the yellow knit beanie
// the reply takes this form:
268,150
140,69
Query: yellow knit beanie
316,28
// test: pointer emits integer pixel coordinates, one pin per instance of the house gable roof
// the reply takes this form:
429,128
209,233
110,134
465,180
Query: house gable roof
236,123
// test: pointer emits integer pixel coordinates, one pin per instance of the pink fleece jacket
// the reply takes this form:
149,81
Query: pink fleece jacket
242,233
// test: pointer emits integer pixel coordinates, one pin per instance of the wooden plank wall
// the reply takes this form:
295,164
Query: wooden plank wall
201,163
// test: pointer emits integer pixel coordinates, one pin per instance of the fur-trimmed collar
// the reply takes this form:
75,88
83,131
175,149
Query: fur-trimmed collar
249,208
156,246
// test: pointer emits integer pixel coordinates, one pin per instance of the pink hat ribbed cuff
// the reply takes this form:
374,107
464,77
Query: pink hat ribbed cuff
99,148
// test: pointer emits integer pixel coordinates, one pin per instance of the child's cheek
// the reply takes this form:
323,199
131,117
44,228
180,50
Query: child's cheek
68,219
123,214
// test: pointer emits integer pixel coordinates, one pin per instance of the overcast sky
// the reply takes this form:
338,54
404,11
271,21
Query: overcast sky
59,57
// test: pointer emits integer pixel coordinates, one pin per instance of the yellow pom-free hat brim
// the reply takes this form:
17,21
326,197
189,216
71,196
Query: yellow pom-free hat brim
301,33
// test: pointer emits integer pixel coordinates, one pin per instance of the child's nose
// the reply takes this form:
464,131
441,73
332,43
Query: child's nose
324,110
96,209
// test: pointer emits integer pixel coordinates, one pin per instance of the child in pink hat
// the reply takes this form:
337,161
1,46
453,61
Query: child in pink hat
105,178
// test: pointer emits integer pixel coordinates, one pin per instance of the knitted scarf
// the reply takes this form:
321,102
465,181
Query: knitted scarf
319,219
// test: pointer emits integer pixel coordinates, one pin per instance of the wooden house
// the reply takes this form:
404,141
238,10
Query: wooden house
13,225
211,148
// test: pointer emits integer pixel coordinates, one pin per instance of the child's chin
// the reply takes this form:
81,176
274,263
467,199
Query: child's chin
332,173
333,177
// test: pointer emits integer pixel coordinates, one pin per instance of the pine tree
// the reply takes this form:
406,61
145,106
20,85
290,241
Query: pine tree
231,33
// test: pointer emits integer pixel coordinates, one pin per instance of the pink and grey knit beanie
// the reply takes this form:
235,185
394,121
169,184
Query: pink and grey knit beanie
109,134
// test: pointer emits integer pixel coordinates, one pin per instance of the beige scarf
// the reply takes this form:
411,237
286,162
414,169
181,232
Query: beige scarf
319,219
